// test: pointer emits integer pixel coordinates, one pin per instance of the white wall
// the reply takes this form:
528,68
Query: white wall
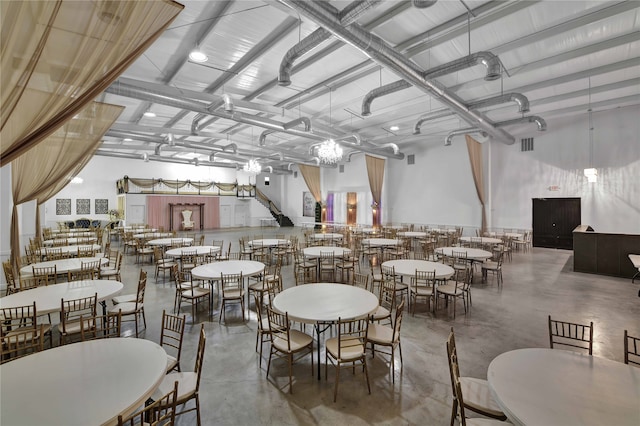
559,158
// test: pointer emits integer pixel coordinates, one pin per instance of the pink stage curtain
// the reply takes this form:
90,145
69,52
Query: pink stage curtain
158,211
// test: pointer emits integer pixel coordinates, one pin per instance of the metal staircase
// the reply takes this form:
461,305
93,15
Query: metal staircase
273,209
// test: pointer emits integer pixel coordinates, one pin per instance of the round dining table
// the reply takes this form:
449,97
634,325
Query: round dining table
412,234
199,250
380,242
48,297
73,264
538,386
474,254
315,253
72,241
324,303
212,271
513,235
408,267
57,234
327,236
147,235
86,383
68,250
481,240
268,242
169,241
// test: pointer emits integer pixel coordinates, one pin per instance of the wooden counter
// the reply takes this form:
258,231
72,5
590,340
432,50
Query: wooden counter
604,253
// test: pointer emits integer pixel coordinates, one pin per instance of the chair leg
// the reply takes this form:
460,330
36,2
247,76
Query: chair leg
335,388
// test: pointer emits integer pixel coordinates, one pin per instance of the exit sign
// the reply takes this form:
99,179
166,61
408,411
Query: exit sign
554,188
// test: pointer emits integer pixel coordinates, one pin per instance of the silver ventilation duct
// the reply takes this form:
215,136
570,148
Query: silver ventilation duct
348,15
195,124
467,131
430,116
325,15
520,99
304,46
378,92
290,125
488,59
146,94
423,4
542,125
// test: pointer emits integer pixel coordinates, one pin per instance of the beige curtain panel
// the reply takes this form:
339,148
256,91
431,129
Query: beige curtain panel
44,170
143,183
475,158
311,175
57,56
375,170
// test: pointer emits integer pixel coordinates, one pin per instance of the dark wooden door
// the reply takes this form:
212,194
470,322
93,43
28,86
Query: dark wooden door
554,220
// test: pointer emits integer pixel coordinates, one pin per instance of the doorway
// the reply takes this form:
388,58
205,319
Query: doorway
554,220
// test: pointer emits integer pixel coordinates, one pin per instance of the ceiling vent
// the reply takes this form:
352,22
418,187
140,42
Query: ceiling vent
526,144
411,159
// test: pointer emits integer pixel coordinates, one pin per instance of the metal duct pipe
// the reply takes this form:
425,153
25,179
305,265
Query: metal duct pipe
161,159
195,124
468,130
302,120
350,154
423,4
430,116
488,59
542,125
521,100
232,146
391,145
304,46
228,102
270,169
348,15
291,124
355,137
387,89
324,14
131,91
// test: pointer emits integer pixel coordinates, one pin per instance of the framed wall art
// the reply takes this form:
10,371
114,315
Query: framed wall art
83,206
63,206
308,205
102,206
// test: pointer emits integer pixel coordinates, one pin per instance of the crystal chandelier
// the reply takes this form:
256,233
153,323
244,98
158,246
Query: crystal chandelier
330,152
253,167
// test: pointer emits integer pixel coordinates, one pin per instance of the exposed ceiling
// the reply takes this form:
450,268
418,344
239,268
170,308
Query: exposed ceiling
451,65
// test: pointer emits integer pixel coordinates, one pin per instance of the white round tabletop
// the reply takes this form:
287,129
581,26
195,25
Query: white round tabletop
325,302
87,383
73,240
169,241
48,297
327,236
69,231
62,265
153,235
314,252
71,250
370,230
471,253
412,234
213,270
200,250
380,242
481,240
514,235
268,242
556,387
73,233
408,267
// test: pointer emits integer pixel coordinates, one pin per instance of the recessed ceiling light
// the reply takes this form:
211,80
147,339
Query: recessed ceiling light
77,180
198,55
149,114
128,139
394,128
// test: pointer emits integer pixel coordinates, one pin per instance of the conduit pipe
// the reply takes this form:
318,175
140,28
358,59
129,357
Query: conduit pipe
488,59
349,14
302,120
325,15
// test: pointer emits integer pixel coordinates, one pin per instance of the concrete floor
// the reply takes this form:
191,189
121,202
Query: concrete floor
235,390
